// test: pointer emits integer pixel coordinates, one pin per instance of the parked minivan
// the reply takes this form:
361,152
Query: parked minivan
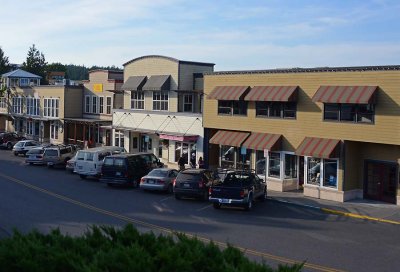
88,162
128,169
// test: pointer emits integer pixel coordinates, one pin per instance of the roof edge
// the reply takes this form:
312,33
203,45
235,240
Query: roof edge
310,70
171,59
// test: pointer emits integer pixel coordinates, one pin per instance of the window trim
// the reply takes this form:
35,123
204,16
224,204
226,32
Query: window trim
322,173
356,114
232,107
108,105
137,98
161,100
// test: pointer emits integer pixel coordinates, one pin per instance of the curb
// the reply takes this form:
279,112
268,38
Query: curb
337,212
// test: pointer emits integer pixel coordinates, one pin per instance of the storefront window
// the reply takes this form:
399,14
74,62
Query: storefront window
243,161
274,168
330,173
290,166
182,149
260,163
227,156
313,171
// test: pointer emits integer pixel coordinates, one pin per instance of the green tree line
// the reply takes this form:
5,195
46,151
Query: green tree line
35,63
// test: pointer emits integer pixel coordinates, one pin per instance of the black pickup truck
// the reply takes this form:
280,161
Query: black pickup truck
238,188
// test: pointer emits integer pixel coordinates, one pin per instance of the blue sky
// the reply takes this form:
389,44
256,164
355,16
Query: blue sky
235,35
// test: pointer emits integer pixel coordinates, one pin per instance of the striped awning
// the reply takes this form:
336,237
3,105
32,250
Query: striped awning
272,93
261,141
231,138
134,83
318,147
346,94
157,83
228,92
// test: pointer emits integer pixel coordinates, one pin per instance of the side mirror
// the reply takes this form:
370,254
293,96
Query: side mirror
262,181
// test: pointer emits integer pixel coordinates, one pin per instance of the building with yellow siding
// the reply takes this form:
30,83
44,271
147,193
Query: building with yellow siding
333,132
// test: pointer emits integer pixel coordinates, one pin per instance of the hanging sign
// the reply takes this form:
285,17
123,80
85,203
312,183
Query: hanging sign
243,150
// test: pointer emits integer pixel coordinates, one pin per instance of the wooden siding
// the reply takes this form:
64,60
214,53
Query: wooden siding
357,153
309,121
152,67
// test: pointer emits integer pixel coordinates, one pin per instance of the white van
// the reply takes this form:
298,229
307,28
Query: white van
89,161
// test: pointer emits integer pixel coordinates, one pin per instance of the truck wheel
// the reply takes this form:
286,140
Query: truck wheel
16,154
205,196
82,176
217,205
170,189
249,205
178,197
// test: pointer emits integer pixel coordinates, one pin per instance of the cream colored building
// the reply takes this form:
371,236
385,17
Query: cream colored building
162,108
331,132
38,112
101,94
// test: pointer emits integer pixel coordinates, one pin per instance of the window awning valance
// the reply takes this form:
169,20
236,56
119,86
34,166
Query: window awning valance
157,83
346,94
134,83
272,93
262,141
228,92
318,147
231,138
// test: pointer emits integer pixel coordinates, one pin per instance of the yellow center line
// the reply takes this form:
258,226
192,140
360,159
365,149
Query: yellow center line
167,230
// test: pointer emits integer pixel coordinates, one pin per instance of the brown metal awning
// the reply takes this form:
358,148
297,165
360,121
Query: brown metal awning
228,92
346,94
272,93
261,141
318,147
157,83
231,138
134,83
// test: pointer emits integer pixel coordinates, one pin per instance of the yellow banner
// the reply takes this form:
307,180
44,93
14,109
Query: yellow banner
98,88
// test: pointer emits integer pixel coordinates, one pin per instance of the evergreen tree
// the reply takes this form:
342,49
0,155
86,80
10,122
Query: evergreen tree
4,64
36,63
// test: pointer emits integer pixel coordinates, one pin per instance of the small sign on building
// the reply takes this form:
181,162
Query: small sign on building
98,88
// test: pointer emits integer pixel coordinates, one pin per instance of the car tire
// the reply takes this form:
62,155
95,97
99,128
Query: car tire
82,176
31,163
9,146
170,189
135,183
217,205
205,196
16,154
249,205
178,197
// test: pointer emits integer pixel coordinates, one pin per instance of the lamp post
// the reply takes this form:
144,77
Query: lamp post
8,107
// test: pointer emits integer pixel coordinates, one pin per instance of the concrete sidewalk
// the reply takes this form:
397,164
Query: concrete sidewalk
358,208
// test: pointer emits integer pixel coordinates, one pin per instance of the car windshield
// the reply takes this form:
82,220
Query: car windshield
19,144
158,173
80,156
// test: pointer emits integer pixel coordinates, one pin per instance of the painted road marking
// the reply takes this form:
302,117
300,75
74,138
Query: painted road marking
170,231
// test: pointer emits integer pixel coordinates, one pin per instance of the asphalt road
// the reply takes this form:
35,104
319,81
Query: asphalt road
44,199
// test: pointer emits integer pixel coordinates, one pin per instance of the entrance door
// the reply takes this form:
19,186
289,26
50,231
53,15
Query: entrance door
380,181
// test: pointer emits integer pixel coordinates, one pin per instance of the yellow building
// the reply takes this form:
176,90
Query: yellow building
333,132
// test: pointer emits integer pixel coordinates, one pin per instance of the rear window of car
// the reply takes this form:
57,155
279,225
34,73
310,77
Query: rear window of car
35,151
187,177
89,156
117,162
80,156
51,152
158,173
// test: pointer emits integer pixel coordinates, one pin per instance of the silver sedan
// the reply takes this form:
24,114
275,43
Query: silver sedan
159,179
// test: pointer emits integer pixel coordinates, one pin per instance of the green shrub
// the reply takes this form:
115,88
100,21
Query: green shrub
109,249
